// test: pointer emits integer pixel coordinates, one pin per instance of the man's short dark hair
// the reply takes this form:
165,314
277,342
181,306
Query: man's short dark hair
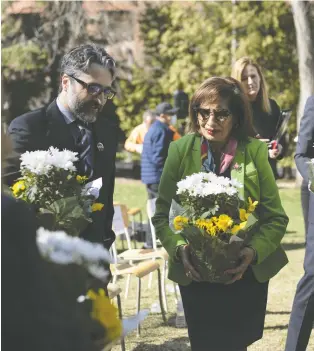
82,57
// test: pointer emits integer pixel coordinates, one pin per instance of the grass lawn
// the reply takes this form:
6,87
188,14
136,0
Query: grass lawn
155,336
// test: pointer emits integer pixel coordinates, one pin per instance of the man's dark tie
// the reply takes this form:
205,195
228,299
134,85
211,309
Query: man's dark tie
86,152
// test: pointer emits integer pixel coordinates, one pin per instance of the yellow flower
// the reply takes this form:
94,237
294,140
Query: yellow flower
81,179
106,314
211,228
224,222
252,205
97,206
243,215
179,222
208,225
18,187
236,228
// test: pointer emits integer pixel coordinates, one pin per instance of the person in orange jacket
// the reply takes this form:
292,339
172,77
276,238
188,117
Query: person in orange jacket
134,143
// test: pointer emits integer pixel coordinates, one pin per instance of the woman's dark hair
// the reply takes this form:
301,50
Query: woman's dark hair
215,89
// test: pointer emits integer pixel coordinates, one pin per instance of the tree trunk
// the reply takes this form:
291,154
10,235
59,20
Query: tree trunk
305,48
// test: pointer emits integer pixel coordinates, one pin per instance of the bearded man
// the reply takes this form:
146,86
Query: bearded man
75,121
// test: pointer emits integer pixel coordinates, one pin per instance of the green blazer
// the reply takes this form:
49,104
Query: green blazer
251,167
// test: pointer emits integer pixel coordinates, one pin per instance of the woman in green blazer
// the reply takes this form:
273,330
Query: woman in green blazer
224,317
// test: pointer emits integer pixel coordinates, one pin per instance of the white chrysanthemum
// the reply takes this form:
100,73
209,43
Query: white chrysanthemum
37,162
61,248
98,271
41,162
63,159
206,184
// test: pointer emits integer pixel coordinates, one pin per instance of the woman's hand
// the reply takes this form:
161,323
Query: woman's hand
184,255
274,153
247,255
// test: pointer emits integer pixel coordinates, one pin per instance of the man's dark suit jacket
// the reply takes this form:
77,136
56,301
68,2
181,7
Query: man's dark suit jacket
45,127
305,145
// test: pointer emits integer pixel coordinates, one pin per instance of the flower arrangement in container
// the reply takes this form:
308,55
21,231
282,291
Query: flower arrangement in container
71,259
49,181
215,221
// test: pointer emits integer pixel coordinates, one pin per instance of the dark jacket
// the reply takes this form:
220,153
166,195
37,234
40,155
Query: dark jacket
265,124
37,313
45,127
155,151
305,144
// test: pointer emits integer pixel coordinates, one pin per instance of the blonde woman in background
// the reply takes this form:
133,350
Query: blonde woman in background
265,111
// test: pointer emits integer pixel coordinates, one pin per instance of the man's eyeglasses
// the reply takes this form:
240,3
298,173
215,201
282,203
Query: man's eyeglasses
95,89
219,115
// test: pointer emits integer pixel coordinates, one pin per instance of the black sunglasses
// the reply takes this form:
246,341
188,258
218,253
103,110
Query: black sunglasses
220,115
95,89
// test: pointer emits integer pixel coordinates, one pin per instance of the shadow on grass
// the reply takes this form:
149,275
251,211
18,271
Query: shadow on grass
276,327
278,312
293,246
291,232
181,344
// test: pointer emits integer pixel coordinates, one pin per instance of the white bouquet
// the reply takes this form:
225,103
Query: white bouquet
60,248
51,184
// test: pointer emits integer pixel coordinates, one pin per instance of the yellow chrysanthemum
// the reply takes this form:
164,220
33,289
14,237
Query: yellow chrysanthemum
179,222
224,222
106,314
252,205
97,206
208,225
243,215
18,187
236,228
211,228
81,179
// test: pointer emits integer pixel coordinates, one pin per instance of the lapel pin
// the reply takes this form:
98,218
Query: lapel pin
100,147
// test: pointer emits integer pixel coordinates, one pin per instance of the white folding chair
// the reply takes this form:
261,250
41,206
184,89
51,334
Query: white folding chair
120,226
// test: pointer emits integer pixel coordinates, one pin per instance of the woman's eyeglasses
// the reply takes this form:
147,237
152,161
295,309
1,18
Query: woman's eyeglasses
219,115
95,89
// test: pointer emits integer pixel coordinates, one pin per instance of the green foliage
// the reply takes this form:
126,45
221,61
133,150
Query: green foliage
23,57
187,44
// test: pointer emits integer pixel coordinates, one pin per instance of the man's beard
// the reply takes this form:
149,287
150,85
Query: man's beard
86,111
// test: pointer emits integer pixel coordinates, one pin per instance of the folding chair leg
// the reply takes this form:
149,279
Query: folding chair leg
163,286
120,316
138,307
150,280
160,297
127,286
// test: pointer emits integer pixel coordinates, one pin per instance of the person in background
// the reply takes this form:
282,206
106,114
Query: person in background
181,100
134,143
224,317
266,112
302,315
155,151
